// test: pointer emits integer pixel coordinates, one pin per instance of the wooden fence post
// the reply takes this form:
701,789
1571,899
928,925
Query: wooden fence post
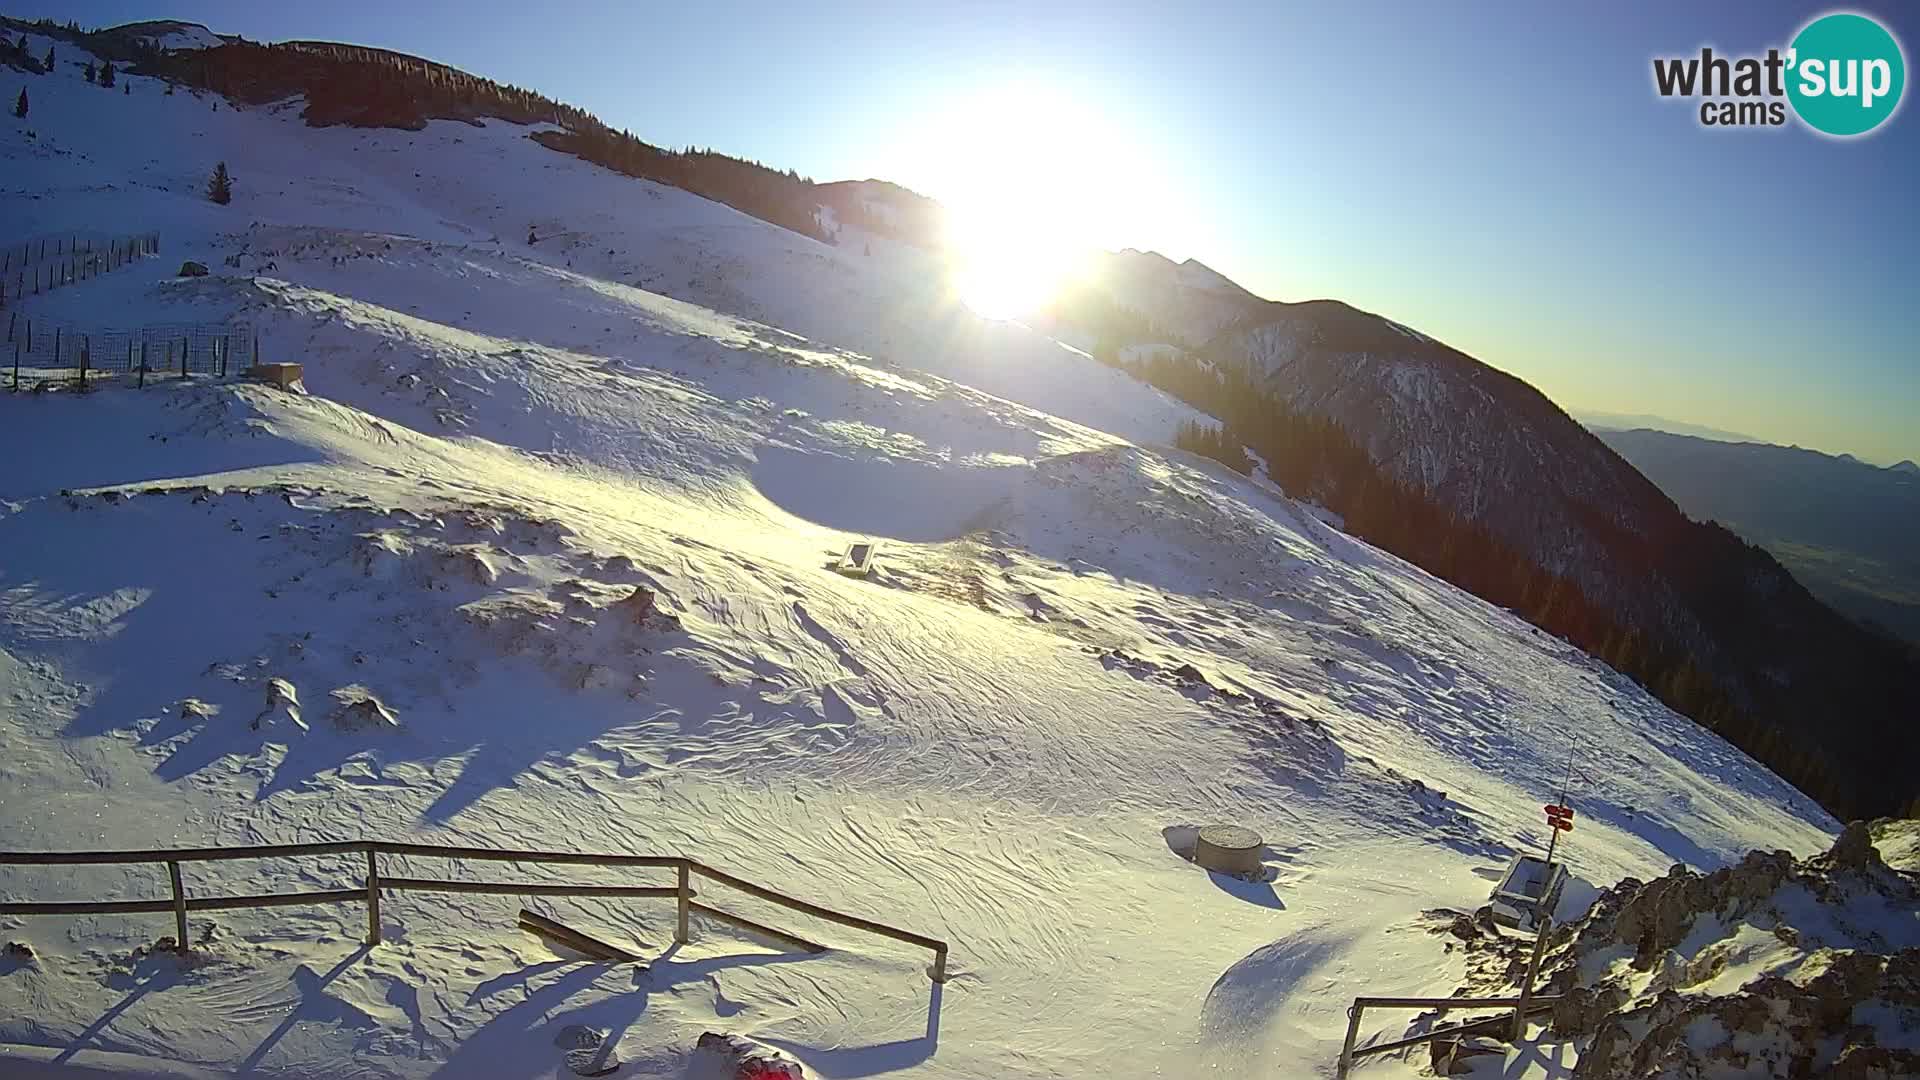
1533,969
179,907
143,364
373,898
685,889
1354,1013
86,351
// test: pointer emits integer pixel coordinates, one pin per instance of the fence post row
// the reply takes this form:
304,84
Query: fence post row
375,883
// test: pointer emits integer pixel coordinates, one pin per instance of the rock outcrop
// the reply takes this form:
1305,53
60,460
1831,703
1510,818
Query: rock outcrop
1771,967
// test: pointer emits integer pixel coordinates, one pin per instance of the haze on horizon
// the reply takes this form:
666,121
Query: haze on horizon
1508,182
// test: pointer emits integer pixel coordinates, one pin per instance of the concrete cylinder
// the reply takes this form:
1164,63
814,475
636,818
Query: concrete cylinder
1229,849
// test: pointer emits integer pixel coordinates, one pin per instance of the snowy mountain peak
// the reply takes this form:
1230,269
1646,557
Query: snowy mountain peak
167,34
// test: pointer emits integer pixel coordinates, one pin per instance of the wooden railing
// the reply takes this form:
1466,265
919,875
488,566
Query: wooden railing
1522,1006
375,883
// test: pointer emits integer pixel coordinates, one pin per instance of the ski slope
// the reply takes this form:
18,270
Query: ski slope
1075,639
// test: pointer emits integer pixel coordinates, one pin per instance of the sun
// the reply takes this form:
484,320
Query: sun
1006,259
1024,192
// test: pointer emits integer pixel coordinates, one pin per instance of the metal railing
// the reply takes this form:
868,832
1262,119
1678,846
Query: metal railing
180,903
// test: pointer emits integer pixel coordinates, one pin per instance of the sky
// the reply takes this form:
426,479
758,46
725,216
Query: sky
1501,176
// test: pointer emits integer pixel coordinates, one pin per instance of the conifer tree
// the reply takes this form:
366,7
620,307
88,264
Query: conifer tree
91,74
106,74
220,185
48,62
20,107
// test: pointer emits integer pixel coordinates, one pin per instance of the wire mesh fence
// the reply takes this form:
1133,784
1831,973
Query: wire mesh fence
31,267
42,352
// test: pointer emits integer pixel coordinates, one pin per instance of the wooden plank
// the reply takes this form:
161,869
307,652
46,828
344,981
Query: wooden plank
536,923
819,912
518,888
88,907
299,899
761,929
332,847
575,858
1447,1003
264,851
1471,1026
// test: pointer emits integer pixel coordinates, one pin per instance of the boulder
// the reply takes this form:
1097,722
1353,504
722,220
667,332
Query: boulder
283,706
720,1056
193,269
358,709
638,604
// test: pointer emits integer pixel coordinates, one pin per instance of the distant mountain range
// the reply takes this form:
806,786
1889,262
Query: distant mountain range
1612,421
1849,530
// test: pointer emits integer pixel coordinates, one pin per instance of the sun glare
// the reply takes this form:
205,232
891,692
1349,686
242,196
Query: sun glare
1008,261
1023,196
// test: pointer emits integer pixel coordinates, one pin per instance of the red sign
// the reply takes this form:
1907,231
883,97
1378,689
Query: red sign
1556,810
1561,823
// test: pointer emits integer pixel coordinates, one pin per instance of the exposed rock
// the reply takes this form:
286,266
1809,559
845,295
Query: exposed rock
719,1056
1832,1004
1581,1009
598,1061
283,706
193,269
359,709
579,1037
195,709
469,562
638,605
18,952
1452,1055
1853,851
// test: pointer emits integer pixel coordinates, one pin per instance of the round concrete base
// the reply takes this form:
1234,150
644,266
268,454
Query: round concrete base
1229,849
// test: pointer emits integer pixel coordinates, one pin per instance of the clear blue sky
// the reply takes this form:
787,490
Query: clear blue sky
1502,177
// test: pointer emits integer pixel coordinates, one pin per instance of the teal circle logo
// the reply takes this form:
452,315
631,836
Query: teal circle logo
1845,74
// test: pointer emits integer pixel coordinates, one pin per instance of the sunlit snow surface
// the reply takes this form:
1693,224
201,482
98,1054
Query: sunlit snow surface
1073,638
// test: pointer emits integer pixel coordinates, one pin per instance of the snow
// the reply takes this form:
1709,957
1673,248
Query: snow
1071,639
183,36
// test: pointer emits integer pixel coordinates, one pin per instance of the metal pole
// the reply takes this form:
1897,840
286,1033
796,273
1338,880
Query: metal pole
1354,1012
373,899
685,890
1526,988
179,907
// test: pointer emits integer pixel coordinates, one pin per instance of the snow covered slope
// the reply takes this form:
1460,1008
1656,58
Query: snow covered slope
1075,643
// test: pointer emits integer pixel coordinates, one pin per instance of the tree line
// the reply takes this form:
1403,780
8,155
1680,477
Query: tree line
1313,457
363,87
